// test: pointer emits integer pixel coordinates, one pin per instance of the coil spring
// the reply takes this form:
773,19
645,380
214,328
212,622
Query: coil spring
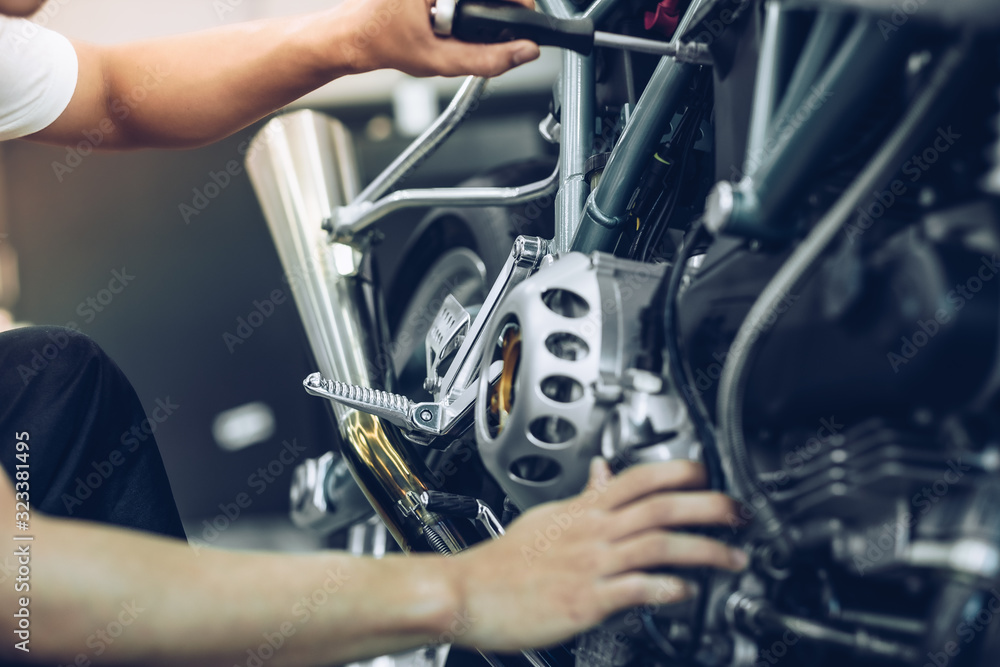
436,541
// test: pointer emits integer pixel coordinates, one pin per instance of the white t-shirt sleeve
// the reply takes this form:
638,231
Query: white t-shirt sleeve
38,74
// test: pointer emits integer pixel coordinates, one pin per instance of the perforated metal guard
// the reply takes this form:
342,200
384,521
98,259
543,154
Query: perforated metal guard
579,322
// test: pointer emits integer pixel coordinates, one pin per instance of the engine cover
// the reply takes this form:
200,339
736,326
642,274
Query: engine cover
560,346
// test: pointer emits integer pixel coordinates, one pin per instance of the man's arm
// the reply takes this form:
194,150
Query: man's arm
187,608
194,89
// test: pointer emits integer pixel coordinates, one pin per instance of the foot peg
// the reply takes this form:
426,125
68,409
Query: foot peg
396,409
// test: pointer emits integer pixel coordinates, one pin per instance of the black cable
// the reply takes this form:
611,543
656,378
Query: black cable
652,334
673,157
649,238
664,306
700,418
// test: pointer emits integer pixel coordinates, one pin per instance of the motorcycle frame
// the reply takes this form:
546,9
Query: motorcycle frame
303,168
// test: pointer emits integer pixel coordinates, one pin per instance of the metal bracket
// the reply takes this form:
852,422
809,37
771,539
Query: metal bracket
450,326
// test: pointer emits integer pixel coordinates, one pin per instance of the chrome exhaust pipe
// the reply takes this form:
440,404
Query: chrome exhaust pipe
302,166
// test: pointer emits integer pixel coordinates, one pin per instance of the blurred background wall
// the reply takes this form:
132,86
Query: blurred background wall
191,277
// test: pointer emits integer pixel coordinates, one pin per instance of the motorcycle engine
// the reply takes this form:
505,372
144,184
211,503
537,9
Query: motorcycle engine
868,461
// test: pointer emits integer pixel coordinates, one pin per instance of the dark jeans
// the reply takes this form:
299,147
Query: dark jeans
79,411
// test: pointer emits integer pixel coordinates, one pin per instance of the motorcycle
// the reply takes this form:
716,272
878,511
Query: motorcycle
772,251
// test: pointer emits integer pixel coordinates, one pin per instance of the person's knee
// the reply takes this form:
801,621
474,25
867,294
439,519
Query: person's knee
57,353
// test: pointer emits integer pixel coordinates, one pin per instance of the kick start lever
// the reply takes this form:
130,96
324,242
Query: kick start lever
493,21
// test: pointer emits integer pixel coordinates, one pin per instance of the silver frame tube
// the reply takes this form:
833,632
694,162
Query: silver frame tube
577,119
576,144
368,213
465,101
599,224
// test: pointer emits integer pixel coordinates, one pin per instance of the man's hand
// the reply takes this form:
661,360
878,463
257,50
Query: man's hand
397,34
579,560
561,569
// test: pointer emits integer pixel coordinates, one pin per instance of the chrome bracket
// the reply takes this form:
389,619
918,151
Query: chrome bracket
450,326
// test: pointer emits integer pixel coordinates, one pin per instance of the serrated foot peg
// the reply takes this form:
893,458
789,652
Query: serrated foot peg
393,408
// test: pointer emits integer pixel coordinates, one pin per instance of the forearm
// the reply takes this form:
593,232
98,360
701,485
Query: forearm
117,597
193,89
212,607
